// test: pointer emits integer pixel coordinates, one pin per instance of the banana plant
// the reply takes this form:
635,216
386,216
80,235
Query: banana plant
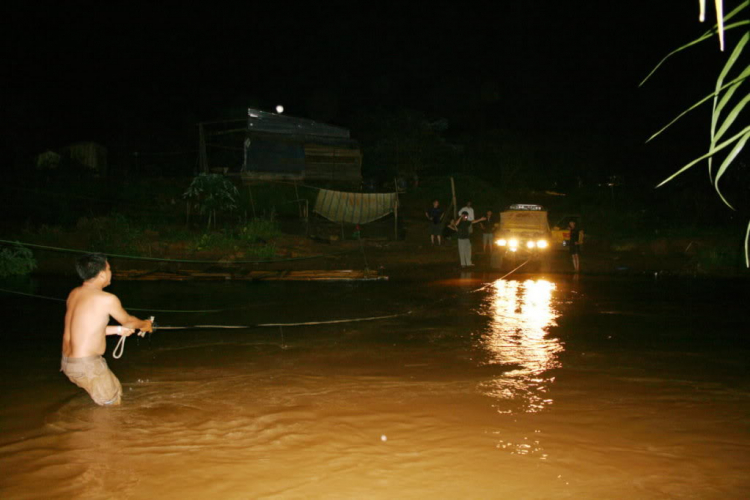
727,103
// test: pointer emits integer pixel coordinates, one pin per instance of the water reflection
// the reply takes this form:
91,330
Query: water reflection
517,335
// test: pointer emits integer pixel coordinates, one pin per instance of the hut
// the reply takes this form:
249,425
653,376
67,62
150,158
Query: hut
279,147
284,147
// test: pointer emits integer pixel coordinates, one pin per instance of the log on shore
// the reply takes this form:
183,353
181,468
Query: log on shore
194,275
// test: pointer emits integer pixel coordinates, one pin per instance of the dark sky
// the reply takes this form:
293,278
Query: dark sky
564,70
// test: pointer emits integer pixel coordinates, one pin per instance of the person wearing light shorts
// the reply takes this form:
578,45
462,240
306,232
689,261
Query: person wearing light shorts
89,309
94,376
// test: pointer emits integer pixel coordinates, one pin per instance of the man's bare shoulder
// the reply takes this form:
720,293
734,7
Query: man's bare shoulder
82,292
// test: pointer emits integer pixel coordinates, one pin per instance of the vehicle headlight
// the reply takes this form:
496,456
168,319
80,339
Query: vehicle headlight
530,244
501,242
542,244
513,243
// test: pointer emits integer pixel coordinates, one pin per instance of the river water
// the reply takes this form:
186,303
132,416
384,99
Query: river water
528,387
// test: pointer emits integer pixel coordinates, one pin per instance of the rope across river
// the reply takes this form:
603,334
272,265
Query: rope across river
120,347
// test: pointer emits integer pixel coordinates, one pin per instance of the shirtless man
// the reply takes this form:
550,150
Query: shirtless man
89,308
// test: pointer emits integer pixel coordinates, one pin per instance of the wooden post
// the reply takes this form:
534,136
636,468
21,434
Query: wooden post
395,211
455,205
202,156
395,217
252,203
296,193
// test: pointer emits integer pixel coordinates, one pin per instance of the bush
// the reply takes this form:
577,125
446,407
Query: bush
259,230
214,194
16,261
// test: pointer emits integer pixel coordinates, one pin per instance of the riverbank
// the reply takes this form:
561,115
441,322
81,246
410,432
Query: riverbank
680,257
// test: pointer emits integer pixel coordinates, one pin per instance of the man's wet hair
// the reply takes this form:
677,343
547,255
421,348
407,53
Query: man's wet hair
91,264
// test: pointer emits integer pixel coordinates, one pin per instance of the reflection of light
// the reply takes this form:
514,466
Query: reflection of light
517,336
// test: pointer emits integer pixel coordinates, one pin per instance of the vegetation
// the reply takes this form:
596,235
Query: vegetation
728,135
213,194
16,261
120,234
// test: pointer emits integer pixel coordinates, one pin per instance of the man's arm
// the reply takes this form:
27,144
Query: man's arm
118,330
479,220
126,320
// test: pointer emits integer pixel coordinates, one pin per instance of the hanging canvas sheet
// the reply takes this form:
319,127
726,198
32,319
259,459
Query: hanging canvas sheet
354,208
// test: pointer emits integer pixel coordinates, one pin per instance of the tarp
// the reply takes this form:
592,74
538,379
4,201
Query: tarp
354,208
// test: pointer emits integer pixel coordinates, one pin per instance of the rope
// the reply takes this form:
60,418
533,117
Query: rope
516,269
119,349
121,346
191,261
56,299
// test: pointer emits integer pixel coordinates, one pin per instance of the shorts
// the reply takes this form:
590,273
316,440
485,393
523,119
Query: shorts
436,229
94,376
487,238
574,249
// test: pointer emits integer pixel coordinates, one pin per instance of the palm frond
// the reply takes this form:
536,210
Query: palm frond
708,34
736,81
725,165
718,148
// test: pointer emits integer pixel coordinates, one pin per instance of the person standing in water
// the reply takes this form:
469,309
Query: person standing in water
462,225
89,308
488,232
435,215
574,244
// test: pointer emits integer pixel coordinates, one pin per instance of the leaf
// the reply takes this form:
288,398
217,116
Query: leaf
718,148
732,117
725,165
702,38
747,246
702,101
722,76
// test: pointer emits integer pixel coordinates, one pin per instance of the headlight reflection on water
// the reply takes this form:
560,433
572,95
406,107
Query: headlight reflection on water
520,315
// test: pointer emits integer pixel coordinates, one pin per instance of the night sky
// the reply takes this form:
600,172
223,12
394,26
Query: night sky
138,76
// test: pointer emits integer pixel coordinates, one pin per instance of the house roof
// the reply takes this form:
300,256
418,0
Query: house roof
262,121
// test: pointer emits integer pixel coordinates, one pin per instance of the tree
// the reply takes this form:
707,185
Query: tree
213,193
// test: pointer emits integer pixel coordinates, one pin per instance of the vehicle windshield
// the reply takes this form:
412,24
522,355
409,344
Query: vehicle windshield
524,221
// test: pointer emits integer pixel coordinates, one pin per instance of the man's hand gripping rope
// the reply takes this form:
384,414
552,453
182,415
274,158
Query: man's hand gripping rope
126,332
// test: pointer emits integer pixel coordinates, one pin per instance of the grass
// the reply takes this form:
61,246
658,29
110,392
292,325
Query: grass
119,234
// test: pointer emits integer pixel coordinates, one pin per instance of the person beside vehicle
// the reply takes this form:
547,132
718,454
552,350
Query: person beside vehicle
463,225
488,231
574,245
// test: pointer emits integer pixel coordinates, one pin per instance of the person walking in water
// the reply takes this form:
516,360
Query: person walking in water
574,244
435,215
89,308
462,225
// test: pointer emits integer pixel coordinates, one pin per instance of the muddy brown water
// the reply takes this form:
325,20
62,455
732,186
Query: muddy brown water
529,387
